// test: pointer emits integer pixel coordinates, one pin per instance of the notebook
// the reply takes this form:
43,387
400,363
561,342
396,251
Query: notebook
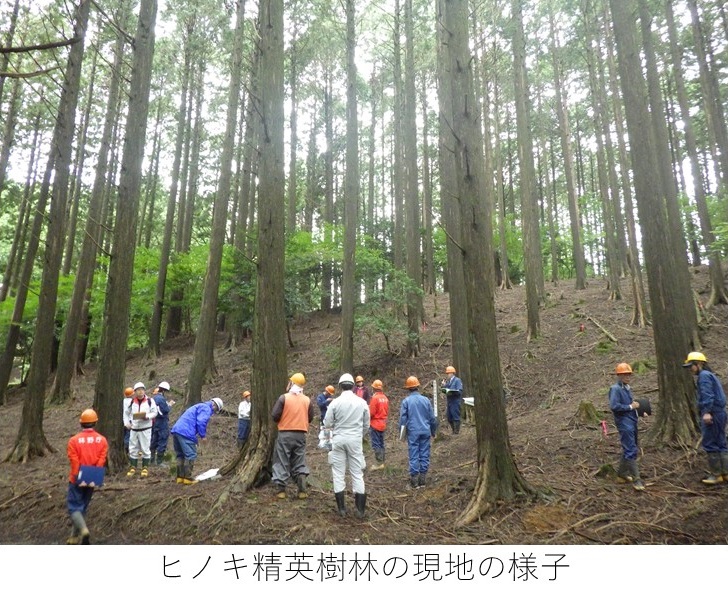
90,476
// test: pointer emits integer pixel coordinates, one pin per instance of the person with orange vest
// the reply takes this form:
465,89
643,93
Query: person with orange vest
88,448
378,412
417,417
293,412
624,407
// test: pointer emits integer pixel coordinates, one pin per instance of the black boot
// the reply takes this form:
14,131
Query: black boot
301,482
634,471
188,478
715,475
724,465
361,504
341,503
422,481
456,427
180,471
414,480
623,472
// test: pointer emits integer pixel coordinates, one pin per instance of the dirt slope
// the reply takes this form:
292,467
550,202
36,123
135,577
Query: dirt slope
546,380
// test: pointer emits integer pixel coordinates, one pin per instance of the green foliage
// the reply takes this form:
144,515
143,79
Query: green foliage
604,347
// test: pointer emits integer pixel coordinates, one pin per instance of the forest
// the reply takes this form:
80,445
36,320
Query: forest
232,192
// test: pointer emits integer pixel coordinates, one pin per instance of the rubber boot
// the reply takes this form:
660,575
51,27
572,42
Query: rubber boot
361,505
379,455
80,530
145,468
281,491
132,467
154,458
724,465
456,427
452,425
623,473
180,471
188,478
422,480
301,482
341,503
414,480
715,470
637,482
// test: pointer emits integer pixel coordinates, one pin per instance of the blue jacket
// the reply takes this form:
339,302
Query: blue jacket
322,402
711,397
620,399
193,422
417,415
163,410
454,387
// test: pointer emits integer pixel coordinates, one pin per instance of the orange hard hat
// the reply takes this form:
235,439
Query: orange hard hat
377,384
89,416
449,370
246,394
411,382
623,368
359,379
128,391
330,389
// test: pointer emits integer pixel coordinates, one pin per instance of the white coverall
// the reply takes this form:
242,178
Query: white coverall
348,418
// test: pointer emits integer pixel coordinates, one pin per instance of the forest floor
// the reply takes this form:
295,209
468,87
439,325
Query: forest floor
546,381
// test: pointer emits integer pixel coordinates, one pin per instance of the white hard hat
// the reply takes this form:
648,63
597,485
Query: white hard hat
346,378
164,385
139,385
218,402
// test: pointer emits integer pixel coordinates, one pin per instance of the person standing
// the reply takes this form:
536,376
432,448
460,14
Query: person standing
87,448
324,400
160,428
348,419
417,416
139,417
711,409
378,412
292,412
452,386
244,419
185,432
624,407
361,390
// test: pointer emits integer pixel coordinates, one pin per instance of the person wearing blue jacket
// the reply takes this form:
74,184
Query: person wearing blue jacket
417,416
624,407
191,424
453,389
711,409
160,429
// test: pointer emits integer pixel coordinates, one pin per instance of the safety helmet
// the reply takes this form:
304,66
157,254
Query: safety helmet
330,389
128,391
298,379
346,378
218,402
359,379
164,385
377,384
139,385
694,356
411,382
89,416
449,370
623,368
246,394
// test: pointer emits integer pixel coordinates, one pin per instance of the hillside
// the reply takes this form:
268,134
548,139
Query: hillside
546,380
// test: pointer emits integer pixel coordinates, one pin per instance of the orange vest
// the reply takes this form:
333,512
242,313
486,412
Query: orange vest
88,447
295,413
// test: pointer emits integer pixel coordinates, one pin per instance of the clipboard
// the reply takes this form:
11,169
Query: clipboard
90,476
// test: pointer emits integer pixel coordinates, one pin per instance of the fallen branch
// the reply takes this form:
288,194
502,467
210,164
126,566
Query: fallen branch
609,335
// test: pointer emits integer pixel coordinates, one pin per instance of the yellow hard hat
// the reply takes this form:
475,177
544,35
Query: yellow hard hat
298,379
694,356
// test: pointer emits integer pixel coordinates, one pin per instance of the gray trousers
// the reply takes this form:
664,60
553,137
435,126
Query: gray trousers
289,456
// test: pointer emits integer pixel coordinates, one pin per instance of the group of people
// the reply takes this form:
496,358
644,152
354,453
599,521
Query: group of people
711,405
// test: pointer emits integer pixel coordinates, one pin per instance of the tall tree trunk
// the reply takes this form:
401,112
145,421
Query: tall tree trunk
31,441
203,360
71,339
675,419
498,477
351,196
115,331
269,332
529,195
